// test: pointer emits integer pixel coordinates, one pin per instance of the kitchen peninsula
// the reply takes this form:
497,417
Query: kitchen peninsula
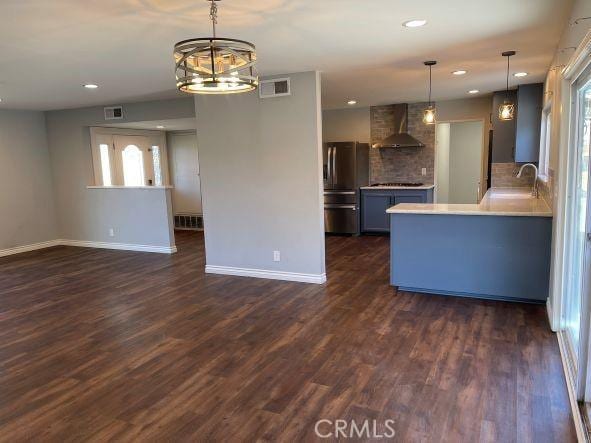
498,249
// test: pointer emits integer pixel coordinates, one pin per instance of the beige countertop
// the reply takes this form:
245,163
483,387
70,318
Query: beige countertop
399,187
497,201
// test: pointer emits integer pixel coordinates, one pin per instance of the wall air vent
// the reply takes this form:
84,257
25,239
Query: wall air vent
114,113
277,87
188,222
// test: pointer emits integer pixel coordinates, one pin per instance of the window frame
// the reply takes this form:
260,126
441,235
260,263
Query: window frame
105,135
545,141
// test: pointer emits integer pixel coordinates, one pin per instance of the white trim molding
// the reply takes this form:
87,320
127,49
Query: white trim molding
263,273
119,246
567,365
28,248
89,244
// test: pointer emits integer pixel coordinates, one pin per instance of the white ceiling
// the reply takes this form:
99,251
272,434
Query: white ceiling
49,48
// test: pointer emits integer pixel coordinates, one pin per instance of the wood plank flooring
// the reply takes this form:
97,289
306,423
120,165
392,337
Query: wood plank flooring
100,345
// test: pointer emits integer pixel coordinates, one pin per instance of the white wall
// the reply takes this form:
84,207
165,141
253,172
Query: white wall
27,213
442,163
261,179
465,154
183,160
88,214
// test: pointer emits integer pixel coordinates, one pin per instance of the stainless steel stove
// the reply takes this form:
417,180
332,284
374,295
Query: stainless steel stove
410,185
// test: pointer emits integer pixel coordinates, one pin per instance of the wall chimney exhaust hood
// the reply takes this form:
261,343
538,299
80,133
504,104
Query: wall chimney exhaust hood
400,137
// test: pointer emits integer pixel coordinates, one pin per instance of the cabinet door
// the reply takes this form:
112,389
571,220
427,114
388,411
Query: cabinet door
529,117
373,208
410,197
503,150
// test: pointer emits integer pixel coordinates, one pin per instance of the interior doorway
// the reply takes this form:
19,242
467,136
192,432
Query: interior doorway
459,151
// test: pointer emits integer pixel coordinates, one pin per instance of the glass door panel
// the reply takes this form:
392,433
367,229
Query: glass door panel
577,219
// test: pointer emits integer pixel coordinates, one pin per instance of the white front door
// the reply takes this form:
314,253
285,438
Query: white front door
185,173
133,160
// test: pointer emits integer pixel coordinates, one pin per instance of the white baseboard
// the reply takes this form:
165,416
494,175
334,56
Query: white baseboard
571,387
89,244
119,246
262,273
27,248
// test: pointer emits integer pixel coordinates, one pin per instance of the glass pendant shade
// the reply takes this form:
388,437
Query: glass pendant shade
429,116
507,111
429,113
215,66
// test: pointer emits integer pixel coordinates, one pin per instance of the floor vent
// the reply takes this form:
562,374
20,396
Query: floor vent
188,222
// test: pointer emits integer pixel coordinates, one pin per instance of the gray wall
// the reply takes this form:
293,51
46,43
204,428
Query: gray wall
26,201
87,214
345,125
260,165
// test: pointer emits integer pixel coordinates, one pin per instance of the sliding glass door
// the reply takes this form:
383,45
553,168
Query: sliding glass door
575,301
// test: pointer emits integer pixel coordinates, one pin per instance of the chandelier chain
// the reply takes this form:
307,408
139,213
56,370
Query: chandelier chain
213,15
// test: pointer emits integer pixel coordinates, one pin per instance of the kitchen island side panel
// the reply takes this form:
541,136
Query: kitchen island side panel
497,257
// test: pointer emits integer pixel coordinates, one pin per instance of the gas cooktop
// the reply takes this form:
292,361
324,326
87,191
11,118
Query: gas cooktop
410,185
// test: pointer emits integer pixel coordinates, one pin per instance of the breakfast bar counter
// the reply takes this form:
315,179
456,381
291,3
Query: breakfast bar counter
498,249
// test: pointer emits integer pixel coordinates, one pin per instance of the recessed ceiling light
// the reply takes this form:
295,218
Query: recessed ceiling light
414,23
352,102
459,72
159,127
473,91
520,74
90,86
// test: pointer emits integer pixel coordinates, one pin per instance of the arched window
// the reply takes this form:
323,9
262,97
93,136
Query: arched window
133,166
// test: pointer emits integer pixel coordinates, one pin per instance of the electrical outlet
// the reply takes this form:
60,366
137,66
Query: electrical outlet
424,171
111,232
276,256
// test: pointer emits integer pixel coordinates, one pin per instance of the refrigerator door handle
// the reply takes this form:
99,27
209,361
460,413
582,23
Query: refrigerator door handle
334,164
337,206
339,193
329,166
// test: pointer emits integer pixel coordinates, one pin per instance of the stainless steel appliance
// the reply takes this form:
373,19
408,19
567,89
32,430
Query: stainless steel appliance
399,138
398,184
346,168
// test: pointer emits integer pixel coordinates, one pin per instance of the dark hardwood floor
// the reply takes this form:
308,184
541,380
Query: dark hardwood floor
102,345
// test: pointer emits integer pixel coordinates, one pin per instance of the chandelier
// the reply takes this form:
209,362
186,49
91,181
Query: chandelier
215,65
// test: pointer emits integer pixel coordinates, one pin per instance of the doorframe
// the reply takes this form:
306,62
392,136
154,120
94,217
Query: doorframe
577,65
483,159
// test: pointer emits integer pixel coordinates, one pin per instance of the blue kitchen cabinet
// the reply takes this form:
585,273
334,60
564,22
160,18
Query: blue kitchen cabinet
375,202
373,211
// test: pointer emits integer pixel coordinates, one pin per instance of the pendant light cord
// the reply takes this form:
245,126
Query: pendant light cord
508,57
213,15
429,85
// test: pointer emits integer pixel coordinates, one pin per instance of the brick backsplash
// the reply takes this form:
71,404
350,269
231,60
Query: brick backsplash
504,175
401,164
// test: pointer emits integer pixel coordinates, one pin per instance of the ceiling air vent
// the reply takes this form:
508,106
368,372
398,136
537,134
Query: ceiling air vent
114,113
277,87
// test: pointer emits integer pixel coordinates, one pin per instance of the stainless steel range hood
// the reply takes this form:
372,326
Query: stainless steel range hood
400,138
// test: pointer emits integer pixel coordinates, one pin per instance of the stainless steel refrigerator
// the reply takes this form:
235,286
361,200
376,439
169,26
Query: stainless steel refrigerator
346,169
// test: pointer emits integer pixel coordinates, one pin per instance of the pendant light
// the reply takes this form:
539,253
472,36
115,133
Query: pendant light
507,109
429,117
215,65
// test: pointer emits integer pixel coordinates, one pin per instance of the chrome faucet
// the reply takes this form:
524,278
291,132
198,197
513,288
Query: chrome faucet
534,189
